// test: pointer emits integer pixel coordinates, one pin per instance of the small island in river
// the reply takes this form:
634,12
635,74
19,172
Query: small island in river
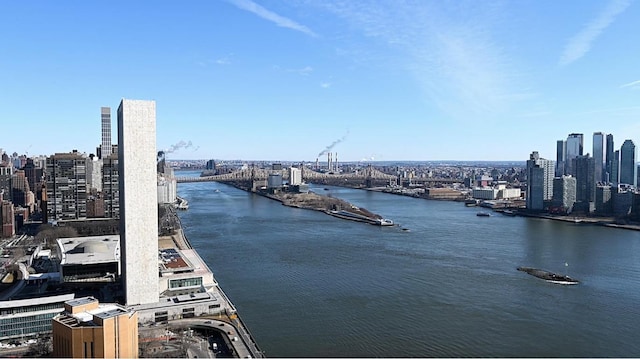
332,206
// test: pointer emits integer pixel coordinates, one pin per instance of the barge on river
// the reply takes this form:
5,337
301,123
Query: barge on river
361,218
549,276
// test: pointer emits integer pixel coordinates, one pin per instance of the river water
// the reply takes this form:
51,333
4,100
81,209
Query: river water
311,285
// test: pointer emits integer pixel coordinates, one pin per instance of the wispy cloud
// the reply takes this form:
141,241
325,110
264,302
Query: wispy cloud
448,47
281,21
325,85
635,85
305,71
223,61
580,44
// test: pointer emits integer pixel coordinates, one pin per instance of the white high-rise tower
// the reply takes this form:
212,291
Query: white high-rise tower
138,200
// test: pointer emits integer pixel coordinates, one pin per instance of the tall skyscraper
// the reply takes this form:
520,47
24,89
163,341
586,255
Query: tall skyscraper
608,158
66,186
111,186
573,150
628,163
615,168
585,179
138,200
598,156
105,149
540,173
561,148
564,192
20,188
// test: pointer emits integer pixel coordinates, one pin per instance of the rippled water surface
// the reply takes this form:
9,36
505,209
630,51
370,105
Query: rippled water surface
311,285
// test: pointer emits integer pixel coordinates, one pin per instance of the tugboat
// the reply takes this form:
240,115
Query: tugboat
483,214
549,276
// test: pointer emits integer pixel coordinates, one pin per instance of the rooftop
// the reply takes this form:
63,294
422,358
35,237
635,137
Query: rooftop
88,250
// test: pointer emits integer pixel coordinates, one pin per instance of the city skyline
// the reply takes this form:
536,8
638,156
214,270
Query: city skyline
286,81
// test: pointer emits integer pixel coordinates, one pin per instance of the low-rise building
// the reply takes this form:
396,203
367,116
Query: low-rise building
485,193
89,259
88,329
22,318
442,193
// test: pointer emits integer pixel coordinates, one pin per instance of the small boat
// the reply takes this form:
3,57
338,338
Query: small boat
508,212
549,276
471,202
483,214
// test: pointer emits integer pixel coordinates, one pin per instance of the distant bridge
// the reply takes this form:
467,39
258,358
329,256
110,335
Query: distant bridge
256,174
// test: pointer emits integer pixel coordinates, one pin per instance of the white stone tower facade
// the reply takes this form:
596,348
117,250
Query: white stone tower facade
138,200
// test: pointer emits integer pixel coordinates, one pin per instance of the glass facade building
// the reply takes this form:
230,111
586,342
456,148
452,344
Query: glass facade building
628,163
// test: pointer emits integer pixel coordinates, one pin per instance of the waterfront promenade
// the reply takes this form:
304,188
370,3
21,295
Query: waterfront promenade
228,323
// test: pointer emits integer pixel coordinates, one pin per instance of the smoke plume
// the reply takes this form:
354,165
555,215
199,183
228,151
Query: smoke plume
328,148
179,145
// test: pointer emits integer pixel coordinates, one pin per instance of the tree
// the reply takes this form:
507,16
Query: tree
49,234
41,348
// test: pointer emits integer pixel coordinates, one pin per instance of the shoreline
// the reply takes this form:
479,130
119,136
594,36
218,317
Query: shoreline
581,220
604,222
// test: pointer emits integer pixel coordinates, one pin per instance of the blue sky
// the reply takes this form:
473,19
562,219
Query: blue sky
284,80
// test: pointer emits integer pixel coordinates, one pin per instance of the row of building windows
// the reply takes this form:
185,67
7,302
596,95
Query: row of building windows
32,308
22,321
33,327
185,282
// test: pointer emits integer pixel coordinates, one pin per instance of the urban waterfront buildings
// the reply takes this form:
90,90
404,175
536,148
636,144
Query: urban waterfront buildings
540,174
138,200
604,184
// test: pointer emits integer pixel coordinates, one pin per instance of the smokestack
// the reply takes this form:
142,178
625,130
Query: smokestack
335,165
328,161
317,164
